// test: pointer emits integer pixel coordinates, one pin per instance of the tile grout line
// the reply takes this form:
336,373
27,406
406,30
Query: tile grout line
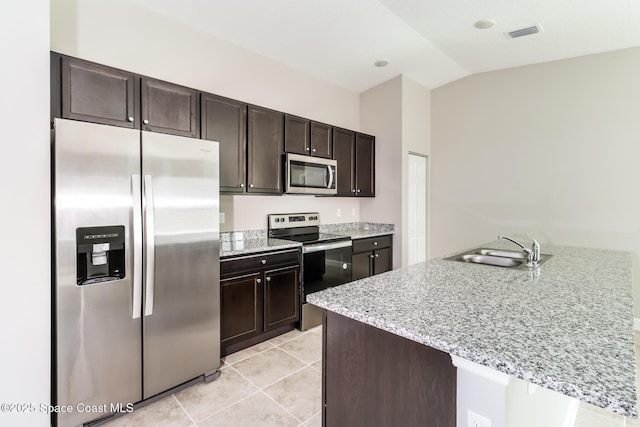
232,404
260,352
302,333
269,397
295,357
193,422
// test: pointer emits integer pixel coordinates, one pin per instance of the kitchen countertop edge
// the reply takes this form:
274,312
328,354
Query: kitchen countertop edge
331,300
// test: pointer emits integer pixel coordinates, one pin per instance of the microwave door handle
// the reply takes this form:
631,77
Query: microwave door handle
330,176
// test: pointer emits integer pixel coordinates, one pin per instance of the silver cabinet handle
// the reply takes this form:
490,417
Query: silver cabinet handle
258,281
130,118
149,237
353,191
375,243
136,231
307,148
371,256
377,255
314,150
264,261
241,185
145,121
268,279
358,190
250,185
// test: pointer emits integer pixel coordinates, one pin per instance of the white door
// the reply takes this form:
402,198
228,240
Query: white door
417,208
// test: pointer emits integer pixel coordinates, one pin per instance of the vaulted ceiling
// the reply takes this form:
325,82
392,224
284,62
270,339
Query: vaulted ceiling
431,41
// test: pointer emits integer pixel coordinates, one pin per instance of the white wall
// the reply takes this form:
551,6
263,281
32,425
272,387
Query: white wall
381,115
123,34
397,112
250,212
551,148
25,324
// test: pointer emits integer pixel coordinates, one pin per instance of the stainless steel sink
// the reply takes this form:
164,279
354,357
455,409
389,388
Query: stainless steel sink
498,258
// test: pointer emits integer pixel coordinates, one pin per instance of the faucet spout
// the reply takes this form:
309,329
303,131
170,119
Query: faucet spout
533,254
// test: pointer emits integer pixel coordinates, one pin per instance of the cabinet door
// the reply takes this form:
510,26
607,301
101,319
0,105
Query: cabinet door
98,94
344,154
361,265
296,135
365,165
240,311
381,260
321,139
225,120
169,108
281,297
264,150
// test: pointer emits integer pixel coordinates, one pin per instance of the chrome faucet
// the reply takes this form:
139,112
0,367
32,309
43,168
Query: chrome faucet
533,254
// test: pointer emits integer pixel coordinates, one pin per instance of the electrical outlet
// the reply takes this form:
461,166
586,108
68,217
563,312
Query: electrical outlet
353,211
476,420
339,212
221,217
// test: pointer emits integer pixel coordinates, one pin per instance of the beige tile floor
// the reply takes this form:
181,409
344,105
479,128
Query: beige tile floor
274,383
278,383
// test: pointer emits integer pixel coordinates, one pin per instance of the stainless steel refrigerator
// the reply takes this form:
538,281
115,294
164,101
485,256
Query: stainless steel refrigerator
136,283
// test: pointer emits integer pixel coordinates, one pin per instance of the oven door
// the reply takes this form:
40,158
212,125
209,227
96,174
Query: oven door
324,265
310,175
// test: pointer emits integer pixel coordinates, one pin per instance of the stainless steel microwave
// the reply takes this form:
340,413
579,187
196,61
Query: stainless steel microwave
310,175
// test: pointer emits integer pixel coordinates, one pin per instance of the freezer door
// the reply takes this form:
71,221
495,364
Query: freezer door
181,326
97,352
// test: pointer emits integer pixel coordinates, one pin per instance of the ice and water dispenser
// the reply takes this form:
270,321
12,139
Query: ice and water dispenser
100,252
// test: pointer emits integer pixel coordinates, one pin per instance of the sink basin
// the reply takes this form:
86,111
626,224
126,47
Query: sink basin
498,258
490,260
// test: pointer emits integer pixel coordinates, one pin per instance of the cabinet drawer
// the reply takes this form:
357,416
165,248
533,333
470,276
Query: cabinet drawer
371,243
258,262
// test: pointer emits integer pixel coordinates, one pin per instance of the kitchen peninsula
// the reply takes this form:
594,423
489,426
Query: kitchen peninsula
566,326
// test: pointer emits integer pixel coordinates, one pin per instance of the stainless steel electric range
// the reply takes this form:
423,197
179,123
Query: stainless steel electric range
326,258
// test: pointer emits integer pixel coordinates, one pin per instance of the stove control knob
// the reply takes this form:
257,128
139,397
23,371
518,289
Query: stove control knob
264,261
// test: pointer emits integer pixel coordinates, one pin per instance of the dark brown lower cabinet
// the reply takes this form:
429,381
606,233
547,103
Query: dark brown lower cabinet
371,377
371,256
239,297
259,298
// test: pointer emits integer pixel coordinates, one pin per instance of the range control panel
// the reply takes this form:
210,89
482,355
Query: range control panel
293,220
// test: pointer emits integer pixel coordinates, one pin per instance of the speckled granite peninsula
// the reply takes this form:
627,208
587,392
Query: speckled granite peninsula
568,326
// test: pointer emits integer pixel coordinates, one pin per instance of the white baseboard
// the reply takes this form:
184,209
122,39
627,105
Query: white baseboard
636,324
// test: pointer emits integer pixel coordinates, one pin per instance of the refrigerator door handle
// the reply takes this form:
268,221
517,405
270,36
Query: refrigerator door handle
150,245
136,231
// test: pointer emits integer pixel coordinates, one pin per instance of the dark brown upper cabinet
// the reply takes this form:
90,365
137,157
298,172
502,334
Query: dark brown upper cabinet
302,136
169,108
297,135
344,146
365,165
321,140
225,120
355,154
265,147
94,93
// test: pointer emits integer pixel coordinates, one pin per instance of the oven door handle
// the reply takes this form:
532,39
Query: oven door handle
317,247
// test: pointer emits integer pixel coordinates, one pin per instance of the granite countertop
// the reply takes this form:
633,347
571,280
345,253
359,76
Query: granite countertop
362,233
250,246
568,326
359,230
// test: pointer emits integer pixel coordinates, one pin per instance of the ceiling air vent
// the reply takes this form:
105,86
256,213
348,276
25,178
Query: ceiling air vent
524,32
